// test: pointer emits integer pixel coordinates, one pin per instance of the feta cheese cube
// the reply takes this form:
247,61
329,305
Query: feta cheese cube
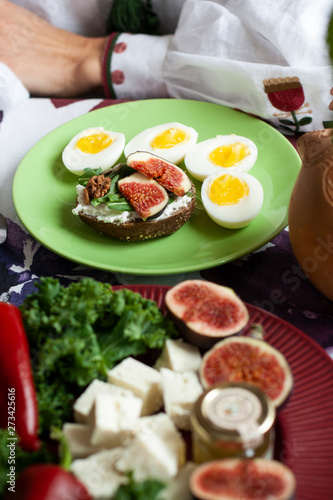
148,458
114,418
143,380
84,404
162,426
157,449
78,437
98,473
178,488
180,392
179,356
180,417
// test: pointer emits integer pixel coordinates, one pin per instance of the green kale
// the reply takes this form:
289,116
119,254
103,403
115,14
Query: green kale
21,460
144,490
77,333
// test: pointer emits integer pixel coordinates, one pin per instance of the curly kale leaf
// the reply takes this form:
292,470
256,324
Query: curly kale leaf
54,309
144,490
77,333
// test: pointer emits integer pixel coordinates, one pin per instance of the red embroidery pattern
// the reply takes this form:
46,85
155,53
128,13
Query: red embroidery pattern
287,95
120,47
106,65
330,106
117,77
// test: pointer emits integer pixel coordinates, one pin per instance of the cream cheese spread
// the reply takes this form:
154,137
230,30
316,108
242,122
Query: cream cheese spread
103,213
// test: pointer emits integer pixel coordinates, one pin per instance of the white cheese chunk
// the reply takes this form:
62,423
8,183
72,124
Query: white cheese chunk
178,488
98,473
180,392
78,437
148,457
114,418
179,356
180,417
162,426
84,404
156,451
143,380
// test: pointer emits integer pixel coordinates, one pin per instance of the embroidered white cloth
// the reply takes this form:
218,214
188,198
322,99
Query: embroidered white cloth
266,58
12,91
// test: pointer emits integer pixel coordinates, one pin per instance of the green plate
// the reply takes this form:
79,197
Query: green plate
44,192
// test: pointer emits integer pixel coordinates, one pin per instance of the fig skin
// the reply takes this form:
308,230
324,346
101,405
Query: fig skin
265,478
170,176
205,299
237,374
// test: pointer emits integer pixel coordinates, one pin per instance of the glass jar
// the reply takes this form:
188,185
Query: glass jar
232,420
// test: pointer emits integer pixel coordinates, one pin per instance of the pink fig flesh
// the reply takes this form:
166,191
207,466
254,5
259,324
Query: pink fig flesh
205,312
247,479
245,359
145,195
168,175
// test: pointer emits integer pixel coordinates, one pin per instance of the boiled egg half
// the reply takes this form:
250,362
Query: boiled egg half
228,153
93,148
232,200
170,141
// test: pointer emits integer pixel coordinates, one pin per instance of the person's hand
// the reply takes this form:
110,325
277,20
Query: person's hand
49,61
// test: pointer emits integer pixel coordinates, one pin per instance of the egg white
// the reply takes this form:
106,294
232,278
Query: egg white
200,166
174,154
236,215
76,160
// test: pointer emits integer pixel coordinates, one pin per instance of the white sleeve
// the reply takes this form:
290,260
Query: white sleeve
12,90
266,58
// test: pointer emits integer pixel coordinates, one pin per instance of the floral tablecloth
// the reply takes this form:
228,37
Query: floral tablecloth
269,278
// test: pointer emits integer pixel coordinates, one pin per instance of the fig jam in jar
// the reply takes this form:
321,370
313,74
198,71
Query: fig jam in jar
232,420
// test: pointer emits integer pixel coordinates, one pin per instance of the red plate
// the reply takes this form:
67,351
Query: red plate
305,424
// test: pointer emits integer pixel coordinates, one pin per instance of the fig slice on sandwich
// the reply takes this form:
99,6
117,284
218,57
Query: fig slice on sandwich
168,175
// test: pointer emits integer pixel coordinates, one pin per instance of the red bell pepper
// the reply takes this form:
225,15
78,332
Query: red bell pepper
18,400
48,482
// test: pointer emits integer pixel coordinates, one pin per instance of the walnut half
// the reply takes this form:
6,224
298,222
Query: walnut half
97,186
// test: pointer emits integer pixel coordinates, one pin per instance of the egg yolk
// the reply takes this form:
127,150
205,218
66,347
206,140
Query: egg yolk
92,144
227,190
229,154
169,138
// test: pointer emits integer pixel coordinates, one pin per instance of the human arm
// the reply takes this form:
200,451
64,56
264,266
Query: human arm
49,61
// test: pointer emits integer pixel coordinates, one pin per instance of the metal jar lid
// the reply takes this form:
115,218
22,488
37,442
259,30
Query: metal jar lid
233,412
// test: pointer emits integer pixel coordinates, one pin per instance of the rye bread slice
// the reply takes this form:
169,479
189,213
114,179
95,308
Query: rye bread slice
138,230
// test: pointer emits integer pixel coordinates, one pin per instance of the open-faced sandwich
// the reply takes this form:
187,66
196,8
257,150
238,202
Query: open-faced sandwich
144,198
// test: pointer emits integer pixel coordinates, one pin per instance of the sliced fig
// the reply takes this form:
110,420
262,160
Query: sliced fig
245,359
173,178
205,312
146,196
234,479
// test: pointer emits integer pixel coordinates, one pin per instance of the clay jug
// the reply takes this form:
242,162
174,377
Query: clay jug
311,210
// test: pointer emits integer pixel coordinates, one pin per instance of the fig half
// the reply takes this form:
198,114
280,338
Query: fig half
146,196
168,175
245,359
205,312
234,479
